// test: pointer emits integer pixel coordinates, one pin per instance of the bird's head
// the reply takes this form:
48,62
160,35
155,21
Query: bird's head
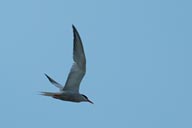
85,98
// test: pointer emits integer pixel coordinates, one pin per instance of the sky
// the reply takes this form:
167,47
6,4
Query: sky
139,66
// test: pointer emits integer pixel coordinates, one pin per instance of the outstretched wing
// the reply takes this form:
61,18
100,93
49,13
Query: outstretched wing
78,69
54,82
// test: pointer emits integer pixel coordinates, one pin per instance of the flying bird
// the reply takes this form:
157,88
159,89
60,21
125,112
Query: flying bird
70,91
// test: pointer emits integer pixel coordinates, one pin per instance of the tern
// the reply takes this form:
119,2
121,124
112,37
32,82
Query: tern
70,91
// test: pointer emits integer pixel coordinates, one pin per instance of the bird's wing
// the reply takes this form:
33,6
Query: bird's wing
54,82
78,69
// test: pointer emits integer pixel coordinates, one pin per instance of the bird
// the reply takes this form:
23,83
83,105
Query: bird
70,91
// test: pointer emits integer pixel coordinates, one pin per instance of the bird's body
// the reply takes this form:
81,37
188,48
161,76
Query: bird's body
65,95
70,92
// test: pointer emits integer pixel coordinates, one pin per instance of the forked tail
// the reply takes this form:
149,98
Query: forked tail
48,94
52,94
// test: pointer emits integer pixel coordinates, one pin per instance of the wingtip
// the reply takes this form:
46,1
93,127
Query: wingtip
74,28
45,74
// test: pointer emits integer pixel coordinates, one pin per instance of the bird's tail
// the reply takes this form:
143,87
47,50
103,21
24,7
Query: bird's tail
52,94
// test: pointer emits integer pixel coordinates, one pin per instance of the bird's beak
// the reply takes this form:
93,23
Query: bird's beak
90,101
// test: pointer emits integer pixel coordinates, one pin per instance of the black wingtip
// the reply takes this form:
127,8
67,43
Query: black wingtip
47,76
74,28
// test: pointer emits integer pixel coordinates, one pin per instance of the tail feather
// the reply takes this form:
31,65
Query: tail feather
48,94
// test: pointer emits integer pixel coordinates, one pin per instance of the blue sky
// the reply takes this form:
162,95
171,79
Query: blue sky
138,63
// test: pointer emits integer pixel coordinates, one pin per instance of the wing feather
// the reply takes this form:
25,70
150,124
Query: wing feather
58,85
78,68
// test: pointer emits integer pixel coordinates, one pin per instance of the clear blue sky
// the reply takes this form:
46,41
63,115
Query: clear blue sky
139,65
